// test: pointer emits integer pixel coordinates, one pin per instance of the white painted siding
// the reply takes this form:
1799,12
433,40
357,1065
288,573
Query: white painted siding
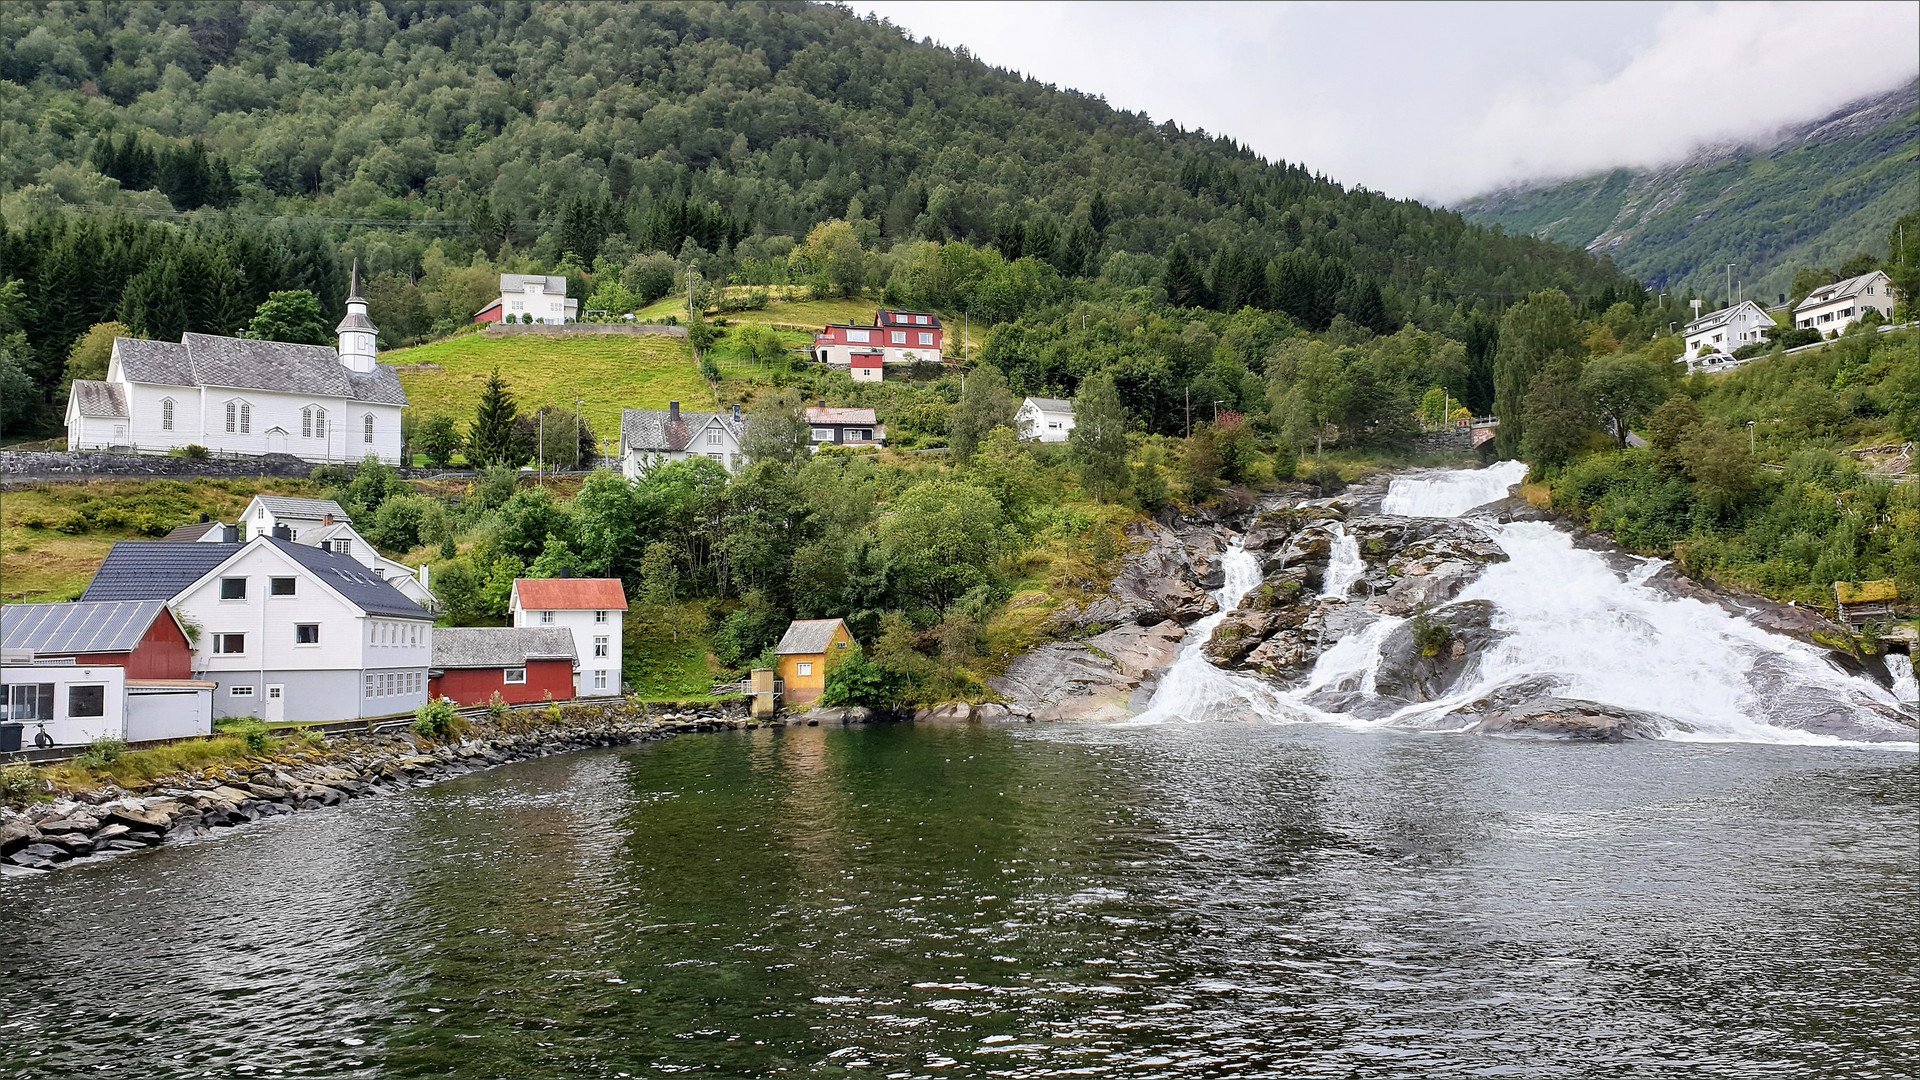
585,628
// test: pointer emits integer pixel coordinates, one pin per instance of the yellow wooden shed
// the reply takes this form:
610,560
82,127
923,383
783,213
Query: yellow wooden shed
807,651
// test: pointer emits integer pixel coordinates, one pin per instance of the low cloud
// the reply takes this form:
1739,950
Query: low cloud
1440,102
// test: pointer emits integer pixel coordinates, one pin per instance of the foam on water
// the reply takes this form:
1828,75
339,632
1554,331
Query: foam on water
1573,622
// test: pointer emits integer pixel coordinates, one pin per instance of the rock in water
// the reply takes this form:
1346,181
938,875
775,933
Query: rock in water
1408,671
1571,718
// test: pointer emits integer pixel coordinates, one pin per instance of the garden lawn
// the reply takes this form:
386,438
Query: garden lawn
609,372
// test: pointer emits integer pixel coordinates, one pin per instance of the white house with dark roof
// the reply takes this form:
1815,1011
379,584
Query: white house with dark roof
323,523
285,631
1044,419
649,437
1728,329
241,397
543,297
1830,309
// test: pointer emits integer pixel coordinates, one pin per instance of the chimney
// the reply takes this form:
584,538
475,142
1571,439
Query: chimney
204,518
232,533
566,572
823,403
736,410
673,412
281,532
326,519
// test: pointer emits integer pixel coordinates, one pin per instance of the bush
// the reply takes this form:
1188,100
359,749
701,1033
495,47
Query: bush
858,681
496,707
436,719
21,784
102,752
1327,478
1429,636
251,732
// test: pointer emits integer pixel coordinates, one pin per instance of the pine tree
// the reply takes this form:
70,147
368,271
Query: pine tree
1181,278
1098,215
492,439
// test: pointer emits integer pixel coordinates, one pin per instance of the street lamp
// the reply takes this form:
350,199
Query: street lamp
1750,443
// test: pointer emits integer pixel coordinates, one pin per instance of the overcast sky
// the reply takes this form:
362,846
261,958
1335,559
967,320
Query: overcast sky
1443,101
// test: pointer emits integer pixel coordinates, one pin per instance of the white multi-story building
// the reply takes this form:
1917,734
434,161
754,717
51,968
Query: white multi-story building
1830,309
243,397
323,523
287,632
543,297
649,437
594,610
1044,419
1728,329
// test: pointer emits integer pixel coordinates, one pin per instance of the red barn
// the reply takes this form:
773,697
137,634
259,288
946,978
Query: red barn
141,636
521,664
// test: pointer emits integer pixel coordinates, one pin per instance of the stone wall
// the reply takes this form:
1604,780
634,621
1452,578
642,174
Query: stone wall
66,467
585,329
1458,440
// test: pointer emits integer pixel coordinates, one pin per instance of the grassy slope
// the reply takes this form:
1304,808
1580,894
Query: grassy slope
1812,205
610,372
44,563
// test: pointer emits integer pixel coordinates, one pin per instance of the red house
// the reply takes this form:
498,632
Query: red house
896,337
521,664
141,636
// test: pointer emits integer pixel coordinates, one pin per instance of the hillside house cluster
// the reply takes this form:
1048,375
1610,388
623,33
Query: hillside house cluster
318,523
896,337
239,397
540,298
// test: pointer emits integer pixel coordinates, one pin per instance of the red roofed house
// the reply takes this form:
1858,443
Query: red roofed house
594,610
898,337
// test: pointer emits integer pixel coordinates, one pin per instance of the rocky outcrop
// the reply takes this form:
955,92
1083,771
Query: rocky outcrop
113,820
1424,659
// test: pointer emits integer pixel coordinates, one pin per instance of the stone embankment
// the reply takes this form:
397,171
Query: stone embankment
111,820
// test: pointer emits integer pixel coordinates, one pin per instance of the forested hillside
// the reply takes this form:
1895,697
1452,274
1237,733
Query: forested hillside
172,164
1814,197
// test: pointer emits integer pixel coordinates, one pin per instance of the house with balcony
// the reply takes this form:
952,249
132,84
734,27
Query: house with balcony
1047,420
1730,328
541,298
844,427
1832,308
896,337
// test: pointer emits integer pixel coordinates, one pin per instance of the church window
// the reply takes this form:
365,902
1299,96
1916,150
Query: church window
232,411
246,418
166,414
367,429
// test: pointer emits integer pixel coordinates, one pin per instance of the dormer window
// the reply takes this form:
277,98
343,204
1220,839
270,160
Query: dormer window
166,414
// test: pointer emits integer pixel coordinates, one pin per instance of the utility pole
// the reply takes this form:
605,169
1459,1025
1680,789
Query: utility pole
1730,267
540,446
1750,449
1189,412
577,402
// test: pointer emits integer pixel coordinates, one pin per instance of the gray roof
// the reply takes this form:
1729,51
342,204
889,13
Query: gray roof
1725,315
807,636
154,569
301,509
161,570
57,629
513,283
652,429
99,399
1051,404
500,646
1839,290
194,531
208,360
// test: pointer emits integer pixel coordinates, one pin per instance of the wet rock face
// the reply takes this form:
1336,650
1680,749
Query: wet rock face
1162,579
1423,670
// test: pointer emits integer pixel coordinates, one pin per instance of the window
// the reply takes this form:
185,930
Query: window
599,616
546,617
822,434
313,422
306,633
246,418
514,676
87,700
276,692
293,533
804,667
229,644
926,339
600,680
282,586
899,337
232,412
366,425
860,336
713,438
166,414
369,686
240,691
29,701
519,305
233,588
721,458
343,547
861,434
600,646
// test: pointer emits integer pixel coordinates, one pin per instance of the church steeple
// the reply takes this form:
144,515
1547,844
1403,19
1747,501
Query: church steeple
359,338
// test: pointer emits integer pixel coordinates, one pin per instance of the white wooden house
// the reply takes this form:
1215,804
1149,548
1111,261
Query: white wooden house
1047,420
594,610
323,523
649,437
1830,309
242,397
1728,329
540,297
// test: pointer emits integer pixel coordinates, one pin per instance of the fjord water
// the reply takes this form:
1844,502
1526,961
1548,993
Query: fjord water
1173,900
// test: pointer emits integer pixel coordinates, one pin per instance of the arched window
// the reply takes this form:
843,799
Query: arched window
166,414
246,418
313,422
367,428
319,423
232,411
306,423
239,417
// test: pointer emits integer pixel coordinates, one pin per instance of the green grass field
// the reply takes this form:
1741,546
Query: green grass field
609,373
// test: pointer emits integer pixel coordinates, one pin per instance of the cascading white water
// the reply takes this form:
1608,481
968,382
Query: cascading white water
1343,564
1572,622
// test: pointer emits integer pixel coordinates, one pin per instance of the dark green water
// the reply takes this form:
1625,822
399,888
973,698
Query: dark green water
1185,900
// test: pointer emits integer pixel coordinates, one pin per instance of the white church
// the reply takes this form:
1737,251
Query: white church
235,396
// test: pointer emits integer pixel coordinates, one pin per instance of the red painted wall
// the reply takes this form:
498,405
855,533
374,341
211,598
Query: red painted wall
491,314
476,686
162,654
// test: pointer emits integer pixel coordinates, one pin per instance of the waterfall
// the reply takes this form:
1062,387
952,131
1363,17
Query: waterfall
1343,564
1573,623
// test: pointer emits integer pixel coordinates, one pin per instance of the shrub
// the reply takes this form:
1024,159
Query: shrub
21,784
496,706
435,718
1327,478
196,452
251,732
102,752
1429,636
858,681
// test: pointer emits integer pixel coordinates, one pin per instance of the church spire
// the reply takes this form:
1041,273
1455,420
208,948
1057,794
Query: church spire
359,338
353,283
